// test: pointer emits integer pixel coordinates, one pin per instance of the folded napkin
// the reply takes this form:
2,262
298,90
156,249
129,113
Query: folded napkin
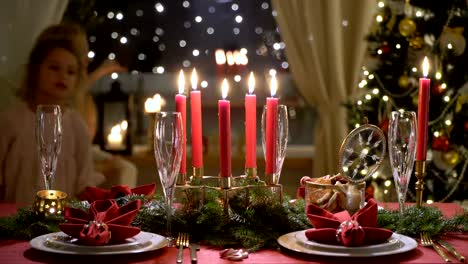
105,222
341,228
92,194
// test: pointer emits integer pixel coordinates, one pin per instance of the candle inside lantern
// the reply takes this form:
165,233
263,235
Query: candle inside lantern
271,124
423,112
224,123
251,125
153,104
181,107
195,104
115,138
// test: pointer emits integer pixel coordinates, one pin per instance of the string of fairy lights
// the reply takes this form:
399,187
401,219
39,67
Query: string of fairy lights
371,87
171,50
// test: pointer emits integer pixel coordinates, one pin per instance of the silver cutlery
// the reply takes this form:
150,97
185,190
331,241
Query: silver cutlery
193,252
182,241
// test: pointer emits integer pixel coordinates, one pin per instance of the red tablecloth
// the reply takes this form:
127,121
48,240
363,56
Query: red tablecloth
13,251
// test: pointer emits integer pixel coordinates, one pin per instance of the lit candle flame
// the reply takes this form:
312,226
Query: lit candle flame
181,82
224,88
115,129
194,79
230,58
425,67
273,85
124,125
251,83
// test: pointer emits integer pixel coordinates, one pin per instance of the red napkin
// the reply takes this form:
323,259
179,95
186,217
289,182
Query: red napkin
105,222
92,194
341,228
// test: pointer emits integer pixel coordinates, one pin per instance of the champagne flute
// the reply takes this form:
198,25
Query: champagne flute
402,150
282,133
48,140
168,142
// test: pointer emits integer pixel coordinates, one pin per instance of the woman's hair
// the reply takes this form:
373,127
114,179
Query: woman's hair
45,43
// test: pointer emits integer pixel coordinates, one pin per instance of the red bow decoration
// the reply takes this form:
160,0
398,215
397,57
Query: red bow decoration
105,222
341,228
92,194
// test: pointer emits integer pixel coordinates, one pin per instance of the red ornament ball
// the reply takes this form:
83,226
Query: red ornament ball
465,126
384,126
385,49
436,89
441,143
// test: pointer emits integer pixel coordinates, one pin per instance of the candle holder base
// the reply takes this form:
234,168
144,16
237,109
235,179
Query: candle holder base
251,172
197,172
181,179
420,172
243,189
272,179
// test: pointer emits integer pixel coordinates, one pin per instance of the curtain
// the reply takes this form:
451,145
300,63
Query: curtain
21,21
325,48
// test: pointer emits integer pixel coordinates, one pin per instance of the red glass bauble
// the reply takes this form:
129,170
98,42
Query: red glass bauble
384,126
440,143
436,88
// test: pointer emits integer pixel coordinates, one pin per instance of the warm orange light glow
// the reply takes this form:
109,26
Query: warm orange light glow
237,57
224,88
230,58
425,67
273,85
251,83
154,104
220,57
181,82
194,79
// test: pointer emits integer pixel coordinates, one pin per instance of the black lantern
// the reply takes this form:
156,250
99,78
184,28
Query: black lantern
115,120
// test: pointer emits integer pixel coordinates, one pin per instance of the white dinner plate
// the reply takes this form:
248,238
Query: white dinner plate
391,243
62,243
296,241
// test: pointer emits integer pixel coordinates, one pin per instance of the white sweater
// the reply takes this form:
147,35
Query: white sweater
19,163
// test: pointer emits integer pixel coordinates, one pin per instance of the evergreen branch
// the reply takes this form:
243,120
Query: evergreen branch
254,227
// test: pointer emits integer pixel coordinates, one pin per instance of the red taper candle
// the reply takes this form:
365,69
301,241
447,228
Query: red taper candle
195,105
251,125
224,119
271,125
181,107
423,113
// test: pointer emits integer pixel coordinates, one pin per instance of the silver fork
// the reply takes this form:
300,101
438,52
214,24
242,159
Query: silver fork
426,241
182,241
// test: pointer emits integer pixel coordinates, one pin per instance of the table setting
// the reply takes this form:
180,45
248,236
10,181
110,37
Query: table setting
246,217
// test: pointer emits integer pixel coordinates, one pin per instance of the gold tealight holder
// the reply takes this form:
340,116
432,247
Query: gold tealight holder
50,203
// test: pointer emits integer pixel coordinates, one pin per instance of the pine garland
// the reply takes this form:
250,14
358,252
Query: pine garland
253,226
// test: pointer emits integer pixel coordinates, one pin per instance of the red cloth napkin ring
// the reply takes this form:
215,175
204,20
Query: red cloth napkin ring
95,233
350,233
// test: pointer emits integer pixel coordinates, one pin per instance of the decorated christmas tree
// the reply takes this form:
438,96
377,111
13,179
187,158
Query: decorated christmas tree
399,38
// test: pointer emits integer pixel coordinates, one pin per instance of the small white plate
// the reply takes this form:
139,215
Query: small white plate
297,241
62,243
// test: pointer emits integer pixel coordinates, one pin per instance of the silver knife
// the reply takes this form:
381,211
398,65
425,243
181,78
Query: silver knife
193,252
451,249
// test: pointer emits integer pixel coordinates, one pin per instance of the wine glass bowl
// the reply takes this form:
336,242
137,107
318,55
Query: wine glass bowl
168,142
402,150
282,133
48,140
